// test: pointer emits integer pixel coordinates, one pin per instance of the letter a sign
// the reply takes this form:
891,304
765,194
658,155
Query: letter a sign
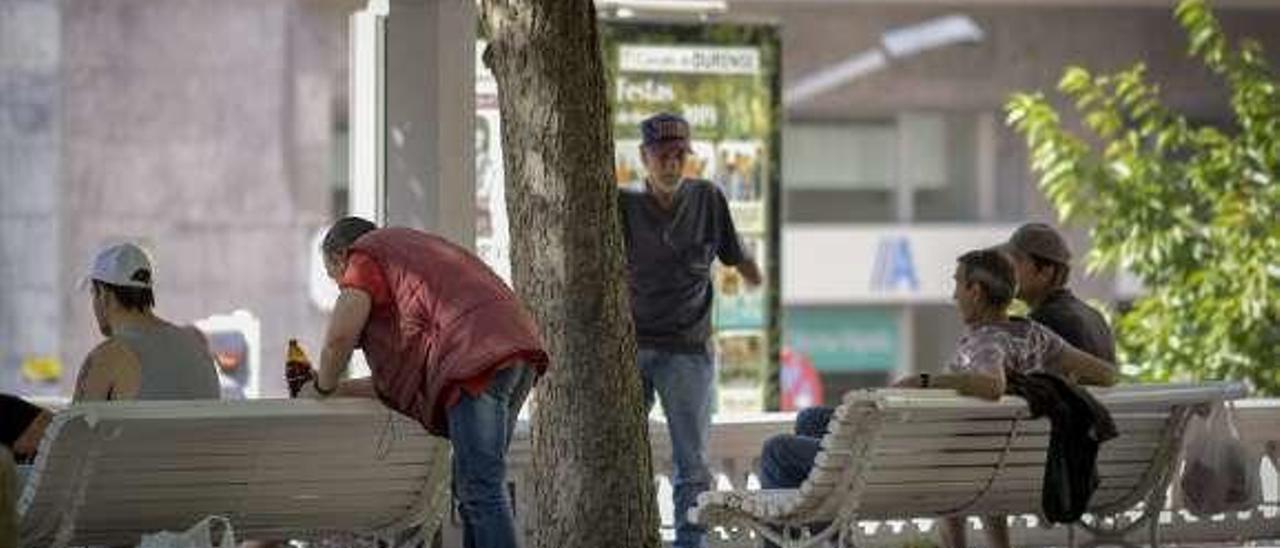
894,268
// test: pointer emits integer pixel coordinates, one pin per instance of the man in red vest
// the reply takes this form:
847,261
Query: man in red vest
448,344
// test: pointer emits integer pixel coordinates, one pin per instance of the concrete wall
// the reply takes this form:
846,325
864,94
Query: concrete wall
30,197
430,117
202,129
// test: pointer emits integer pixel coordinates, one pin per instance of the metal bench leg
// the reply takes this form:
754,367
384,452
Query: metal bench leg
844,539
1154,509
1118,531
783,537
1154,527
835,530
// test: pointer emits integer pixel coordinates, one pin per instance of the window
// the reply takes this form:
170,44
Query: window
916,166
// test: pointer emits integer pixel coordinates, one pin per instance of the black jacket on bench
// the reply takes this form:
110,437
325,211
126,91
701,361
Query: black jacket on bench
1078,426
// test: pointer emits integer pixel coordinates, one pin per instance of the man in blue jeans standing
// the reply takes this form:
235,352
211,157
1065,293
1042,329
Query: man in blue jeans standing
674,228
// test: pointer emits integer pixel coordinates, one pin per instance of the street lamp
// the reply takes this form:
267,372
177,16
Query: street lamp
896,44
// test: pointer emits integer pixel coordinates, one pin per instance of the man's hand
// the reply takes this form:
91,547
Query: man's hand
309,391
357,388
750,272
909,381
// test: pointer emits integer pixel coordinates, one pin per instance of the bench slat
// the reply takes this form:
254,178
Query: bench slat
158,507
983,473
1014,502
997,443
1124,424
1029,456
289,459
138,479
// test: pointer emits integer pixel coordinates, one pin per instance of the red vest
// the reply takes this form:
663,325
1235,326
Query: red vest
451,319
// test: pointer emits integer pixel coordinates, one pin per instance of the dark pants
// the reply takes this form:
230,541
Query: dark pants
8,499
787,459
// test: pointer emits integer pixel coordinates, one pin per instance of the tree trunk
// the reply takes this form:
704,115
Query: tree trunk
593,479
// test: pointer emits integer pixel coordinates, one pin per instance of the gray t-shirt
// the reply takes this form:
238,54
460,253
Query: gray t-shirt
669,255
176,364
1016,344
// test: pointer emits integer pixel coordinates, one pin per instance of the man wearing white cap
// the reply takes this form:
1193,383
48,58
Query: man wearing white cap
144,357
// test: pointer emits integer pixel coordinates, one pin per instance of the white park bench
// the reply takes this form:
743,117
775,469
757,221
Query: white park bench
107,473
897,454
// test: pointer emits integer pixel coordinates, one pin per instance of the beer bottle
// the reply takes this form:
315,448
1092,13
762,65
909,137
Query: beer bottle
297,368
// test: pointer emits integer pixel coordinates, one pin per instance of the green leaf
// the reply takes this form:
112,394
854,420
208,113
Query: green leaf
1074,80
1121,169
1201,38
1164,138
1185,7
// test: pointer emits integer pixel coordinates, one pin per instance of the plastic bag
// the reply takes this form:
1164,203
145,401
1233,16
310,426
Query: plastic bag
1220,473
200,535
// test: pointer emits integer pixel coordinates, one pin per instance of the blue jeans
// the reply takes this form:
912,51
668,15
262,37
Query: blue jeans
683,383
480,429
813,421
787,459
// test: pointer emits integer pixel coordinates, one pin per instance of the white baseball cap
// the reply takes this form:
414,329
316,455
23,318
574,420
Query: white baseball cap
123,265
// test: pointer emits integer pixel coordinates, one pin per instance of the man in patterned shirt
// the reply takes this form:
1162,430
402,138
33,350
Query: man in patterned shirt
995,344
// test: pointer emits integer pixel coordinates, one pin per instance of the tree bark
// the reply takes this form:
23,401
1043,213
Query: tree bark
593,479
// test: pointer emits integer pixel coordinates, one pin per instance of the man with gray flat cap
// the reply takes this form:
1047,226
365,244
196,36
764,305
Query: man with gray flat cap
1043,264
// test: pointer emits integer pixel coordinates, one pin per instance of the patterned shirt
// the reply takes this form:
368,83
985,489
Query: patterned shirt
1016,344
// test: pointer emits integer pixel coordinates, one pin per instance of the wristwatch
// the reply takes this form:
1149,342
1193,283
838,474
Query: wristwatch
924,380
